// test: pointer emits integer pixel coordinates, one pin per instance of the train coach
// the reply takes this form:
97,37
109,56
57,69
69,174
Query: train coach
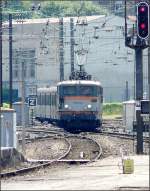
75,104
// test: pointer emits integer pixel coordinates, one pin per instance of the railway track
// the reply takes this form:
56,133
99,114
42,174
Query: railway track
34,164
84,148
123,135
114,127
80,149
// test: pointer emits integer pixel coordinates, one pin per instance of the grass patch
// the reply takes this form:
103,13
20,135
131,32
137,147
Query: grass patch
112,110
5,105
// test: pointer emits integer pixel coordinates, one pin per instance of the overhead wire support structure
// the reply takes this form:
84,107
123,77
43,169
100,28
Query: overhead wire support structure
10,61
22,92
72,43
61,49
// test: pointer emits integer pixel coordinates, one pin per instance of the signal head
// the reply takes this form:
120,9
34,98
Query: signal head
143,20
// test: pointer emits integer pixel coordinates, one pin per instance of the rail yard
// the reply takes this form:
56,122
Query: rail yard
50,148
75,95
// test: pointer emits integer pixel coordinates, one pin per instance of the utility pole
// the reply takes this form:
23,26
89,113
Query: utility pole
1,79
10,60
22,90
61,49
72,44
23,105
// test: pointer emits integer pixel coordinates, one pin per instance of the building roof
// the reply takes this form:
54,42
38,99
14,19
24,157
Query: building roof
55,20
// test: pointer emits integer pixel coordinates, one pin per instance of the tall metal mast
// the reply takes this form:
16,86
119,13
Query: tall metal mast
61,49
10,60
139,96
1,83
72,44
137,43
149,75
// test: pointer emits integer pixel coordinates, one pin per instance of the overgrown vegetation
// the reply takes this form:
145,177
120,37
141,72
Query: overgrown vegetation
5,105
52,8
112,109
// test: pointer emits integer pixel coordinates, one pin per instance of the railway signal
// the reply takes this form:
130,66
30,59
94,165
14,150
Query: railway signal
143,20
141,42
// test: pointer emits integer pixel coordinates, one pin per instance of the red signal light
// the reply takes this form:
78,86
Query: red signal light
142,26
142,9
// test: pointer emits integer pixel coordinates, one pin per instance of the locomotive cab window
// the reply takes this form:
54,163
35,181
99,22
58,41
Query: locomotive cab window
86,90
89,90
80,90
68,90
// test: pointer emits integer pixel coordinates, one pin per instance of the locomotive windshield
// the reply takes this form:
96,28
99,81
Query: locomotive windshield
80,90
87,90
69,90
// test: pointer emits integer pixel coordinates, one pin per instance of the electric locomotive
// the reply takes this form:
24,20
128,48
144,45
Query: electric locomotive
73,104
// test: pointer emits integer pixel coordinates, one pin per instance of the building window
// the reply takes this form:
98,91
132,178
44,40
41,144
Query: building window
26,56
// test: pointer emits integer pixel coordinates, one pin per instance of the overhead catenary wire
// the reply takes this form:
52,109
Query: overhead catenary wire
84,43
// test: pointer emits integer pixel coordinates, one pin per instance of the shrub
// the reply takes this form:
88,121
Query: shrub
112,108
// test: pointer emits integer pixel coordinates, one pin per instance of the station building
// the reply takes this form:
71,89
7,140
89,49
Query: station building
35,53
101,40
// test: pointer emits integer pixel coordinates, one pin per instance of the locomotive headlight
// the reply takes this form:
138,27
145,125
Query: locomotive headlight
66,106
89,106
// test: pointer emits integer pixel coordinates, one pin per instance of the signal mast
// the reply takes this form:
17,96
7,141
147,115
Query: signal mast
139,41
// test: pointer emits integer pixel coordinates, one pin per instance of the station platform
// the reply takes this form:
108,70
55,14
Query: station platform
104,174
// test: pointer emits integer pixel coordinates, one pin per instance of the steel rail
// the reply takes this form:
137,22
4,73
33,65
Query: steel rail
90,139
123,135
100,149
44,164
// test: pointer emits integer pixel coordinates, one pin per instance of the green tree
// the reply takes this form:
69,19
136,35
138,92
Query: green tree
53,8
71,8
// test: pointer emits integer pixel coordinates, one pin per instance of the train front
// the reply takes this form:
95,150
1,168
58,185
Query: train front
80,104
